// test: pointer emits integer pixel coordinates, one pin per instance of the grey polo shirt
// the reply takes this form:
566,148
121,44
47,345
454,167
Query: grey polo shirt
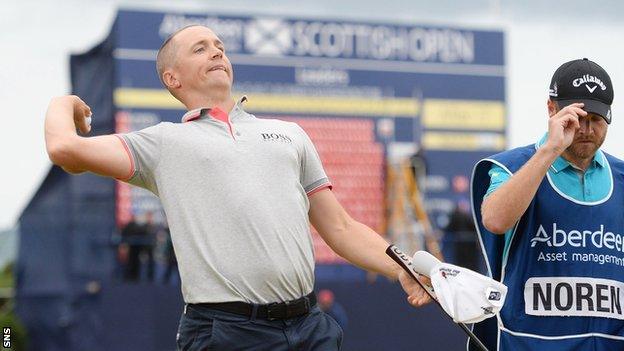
235,191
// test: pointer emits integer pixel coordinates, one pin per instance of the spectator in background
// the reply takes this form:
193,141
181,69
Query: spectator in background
129,250
169,258
462,235
122,255
146,244
136,248
328,304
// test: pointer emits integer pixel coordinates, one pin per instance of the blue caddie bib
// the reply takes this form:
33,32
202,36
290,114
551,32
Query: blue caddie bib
564,267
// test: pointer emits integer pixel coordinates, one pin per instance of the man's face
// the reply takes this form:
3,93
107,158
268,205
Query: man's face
589,137
201,63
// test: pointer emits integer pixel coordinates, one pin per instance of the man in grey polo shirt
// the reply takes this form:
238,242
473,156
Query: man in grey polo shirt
239,193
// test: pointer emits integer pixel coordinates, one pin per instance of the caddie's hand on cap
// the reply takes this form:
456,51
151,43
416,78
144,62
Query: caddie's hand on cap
416,295
563,125
82,115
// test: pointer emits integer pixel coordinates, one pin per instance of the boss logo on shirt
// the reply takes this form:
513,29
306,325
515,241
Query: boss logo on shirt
276,137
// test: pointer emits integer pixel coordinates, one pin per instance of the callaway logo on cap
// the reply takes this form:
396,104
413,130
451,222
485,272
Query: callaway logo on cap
583,81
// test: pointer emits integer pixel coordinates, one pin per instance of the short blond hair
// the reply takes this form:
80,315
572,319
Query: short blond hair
167,53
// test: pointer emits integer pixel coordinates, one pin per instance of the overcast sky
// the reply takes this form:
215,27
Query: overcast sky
36,38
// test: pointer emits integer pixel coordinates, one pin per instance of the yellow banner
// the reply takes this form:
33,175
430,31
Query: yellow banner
282,103
145,98
463,141
463,114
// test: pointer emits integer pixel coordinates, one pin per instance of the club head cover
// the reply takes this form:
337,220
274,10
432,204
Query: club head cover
467,296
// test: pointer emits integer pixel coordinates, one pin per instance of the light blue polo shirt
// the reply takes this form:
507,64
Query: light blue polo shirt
570,182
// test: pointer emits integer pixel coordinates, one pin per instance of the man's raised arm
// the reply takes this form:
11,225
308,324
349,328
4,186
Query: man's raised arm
504,207
104,155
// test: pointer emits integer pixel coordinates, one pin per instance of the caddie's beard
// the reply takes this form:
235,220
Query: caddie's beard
585,147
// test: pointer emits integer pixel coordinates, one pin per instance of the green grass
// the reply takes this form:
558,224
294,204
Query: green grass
7,317
6,277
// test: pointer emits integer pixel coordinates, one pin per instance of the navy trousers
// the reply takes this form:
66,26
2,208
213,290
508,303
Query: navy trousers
204,328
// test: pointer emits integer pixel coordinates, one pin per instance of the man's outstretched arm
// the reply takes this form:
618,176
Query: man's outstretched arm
358,243
104,155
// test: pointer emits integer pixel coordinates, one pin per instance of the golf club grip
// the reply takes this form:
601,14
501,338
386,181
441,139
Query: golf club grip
405,262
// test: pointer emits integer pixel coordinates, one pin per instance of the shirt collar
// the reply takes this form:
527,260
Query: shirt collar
214,112
561,163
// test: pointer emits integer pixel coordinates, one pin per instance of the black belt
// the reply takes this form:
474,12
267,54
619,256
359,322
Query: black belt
271,311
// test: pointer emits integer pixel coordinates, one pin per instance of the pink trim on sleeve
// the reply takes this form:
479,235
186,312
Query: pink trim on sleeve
324,186
125,145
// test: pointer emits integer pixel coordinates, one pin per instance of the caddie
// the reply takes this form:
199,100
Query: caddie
550,223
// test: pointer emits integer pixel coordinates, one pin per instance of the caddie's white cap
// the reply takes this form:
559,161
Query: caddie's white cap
467,296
